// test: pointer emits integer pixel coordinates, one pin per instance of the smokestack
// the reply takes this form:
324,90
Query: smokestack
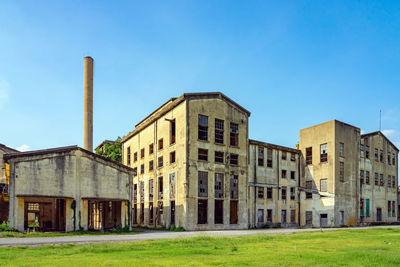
88,103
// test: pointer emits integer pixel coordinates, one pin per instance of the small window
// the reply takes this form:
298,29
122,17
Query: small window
135,172
361,176
151,149
160,162
141,168
284,174
309,187
382,183
160,144
284,155
389,183
203,184
293,175
361,150
309,155
260,192
389,158
292,193
367,177
260,156
341,149
234,134
203,127
376,154
367,152
219,185
324,152
269,192
341,171
284,193
172,157
151,165
128,158
202,154
135,157
234,188
234,159
292,156
381,156
394,181
376,179
172,131
142,153
394,159
269,158
219,131
219,157
324,185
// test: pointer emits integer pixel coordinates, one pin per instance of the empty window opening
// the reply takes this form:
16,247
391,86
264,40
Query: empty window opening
219,131
234,181
160,162
269,192
234,134
172,157
172,126
219,185
324,152
203,184
219,212
142,153
284,193
309,155
284,155
260,192
160,144
202,211
260,156
203,127
292,193
234,159
128,158
293,175
202,154
151,149
283,174
160,187
219,157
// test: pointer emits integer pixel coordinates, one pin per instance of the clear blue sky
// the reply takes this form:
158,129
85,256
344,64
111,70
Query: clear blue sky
291,63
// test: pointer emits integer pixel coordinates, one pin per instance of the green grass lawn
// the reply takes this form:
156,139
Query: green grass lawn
371,247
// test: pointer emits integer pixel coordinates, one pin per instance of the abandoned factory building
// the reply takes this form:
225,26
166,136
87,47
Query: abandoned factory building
195,167
66,189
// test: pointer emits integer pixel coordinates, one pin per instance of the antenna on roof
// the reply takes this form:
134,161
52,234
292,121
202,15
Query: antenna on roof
380,120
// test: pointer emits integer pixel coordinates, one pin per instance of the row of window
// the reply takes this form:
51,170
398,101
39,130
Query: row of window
260,216
160,163
260,193
269,156
202,211
391,182
219,185
233,159
219,131
365,210
151,189
391,157
323,154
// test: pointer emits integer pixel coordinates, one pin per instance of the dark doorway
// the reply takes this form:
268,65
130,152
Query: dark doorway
219,212
103,215
44,214
233,219
202,211
378,214
134,214
173,212
141,213
323,220
283,216
151,214
260,217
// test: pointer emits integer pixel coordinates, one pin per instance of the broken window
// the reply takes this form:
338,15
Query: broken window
389,183
234,159
283,174
393,208
203,127
233,212
160,187
367,177
376,154
219,212
376,179
292,156
324,152
309,188
160,162
202,154
323,185
135,157
234,134
361,150
389,207
341,171
269,158
382,183
293,175
172,126
219,157
151,165
202,211
381,156
142,153
292,193
172,157
367,152
135,193
219,131
172,185
293,216
283,216
151,149
142,169
260,156
269,192
203,184
394,181
361,176
309,155
283,192
309,218
234,181
141,191
219,185
269,216
341,149
128,158
284,155
151,190
160,144
260,192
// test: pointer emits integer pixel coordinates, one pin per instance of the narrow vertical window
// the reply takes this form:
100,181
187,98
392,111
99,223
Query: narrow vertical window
172,126
341,149
219,131
269,158
324,152
160,144
234,134
219,185
128,158
203,127
260,156
151,149
341,171
309,155
203,184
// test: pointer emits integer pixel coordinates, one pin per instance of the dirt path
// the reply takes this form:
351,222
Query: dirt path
154,235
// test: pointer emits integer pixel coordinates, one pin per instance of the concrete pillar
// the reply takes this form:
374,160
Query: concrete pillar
88,104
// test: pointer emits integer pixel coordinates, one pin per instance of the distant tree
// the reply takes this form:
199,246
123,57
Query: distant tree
111,151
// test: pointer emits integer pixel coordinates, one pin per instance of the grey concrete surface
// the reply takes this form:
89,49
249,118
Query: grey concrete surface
155,235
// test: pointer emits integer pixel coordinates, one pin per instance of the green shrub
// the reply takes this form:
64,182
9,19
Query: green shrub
5,227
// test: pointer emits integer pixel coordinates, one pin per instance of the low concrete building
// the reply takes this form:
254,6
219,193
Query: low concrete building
191,162
274,177
66,189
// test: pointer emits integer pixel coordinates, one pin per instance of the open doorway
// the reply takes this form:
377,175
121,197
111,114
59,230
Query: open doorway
44,214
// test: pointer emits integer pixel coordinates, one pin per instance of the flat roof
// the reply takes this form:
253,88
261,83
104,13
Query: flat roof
334,120
284,148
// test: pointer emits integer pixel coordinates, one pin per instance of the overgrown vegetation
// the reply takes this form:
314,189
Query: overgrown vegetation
111,151
370,247
4,227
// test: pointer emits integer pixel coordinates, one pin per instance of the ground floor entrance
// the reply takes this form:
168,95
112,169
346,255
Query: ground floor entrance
104,215
4,207
44,214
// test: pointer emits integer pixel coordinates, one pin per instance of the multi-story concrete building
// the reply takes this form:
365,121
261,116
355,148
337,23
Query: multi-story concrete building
191,162
4,181
274,176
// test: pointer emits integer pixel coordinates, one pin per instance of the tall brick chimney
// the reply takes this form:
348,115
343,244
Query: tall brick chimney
88,103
